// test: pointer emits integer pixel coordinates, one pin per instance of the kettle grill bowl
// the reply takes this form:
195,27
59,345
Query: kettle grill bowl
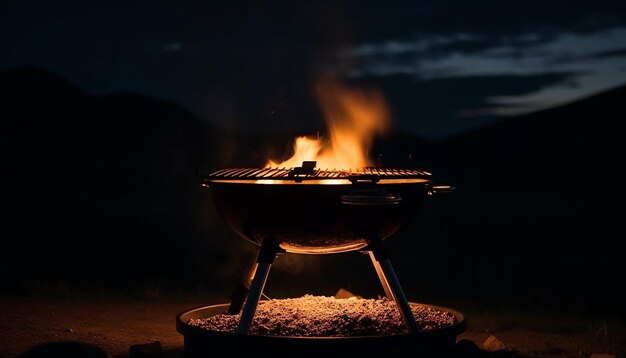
317,218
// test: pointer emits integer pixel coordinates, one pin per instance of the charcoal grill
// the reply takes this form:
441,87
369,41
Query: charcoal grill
318,211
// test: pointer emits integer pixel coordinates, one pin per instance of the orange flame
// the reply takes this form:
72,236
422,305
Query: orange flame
353,117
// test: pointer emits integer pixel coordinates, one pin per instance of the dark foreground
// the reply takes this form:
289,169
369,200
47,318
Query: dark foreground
112,326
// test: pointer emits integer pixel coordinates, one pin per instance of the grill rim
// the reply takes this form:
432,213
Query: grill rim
299,174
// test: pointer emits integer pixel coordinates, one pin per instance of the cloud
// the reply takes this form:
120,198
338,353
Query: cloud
621,52
599,55
543,69
467,54
438,107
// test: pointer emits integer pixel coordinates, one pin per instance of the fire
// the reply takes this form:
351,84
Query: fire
353,117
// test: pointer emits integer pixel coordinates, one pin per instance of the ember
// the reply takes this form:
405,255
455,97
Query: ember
320,316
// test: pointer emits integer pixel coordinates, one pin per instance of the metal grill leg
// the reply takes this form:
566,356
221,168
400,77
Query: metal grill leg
268,252
381,277
238,297
391,285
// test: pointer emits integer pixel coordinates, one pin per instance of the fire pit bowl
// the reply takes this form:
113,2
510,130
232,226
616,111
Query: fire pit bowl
200,342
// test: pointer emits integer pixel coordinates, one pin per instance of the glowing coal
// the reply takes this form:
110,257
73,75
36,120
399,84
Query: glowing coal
320,316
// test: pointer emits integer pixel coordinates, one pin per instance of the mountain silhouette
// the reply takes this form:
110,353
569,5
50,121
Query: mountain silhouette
103,190
537,208
580,137
112,177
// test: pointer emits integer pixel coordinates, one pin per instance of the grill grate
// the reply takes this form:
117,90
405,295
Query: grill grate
310,173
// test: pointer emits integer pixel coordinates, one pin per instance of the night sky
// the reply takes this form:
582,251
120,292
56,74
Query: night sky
445,66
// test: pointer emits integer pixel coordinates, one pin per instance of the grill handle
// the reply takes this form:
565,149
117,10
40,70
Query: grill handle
438,189
370,200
